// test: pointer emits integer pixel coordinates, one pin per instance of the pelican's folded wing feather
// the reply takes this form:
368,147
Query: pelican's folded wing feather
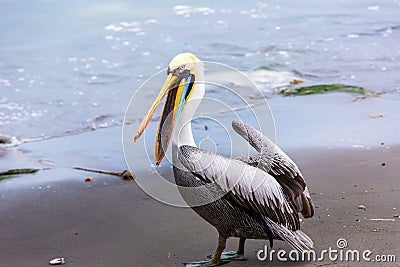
273,160
244,185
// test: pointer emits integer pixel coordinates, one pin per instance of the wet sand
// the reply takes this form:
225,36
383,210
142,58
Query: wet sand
110,222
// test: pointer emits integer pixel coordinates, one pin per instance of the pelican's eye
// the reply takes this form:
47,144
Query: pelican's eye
182,67
168,71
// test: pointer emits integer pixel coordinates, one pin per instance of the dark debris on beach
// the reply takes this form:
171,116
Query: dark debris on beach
124,175
5,140
13,172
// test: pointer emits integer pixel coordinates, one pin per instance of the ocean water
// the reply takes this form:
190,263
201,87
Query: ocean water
69,67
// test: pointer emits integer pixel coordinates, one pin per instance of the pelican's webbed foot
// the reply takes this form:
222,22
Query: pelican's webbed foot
234,255
230,255
220,257
205,263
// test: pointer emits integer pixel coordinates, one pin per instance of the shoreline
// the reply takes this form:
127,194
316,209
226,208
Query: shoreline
298,112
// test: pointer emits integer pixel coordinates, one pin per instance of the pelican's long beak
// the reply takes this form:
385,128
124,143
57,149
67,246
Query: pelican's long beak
176,87
150,113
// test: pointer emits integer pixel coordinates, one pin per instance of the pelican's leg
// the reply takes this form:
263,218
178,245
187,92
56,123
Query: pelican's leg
214,261
240,250
235,255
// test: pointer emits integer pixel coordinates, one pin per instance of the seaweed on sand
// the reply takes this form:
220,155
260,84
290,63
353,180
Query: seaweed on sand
322,89
13,172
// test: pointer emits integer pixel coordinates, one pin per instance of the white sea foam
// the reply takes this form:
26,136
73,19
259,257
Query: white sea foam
357,146
269,81
352,35
5,82
129,24
11,106
109,27
182,10
151,21
283,53
204,10
186,11
112,27
374,8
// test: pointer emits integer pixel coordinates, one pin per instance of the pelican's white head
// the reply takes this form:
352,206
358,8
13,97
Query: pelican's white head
179,87
186,61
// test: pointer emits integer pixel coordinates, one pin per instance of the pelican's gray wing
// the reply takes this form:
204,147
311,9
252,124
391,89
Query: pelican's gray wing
251,188
274,161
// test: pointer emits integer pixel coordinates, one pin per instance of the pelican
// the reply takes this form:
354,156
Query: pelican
256,197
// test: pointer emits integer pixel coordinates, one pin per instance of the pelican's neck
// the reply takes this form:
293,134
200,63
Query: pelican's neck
183,134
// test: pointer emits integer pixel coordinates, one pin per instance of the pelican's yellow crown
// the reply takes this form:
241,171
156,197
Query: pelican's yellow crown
186,59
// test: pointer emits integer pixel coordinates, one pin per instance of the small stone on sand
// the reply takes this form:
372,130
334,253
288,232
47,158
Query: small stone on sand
375,116
57,261
296,81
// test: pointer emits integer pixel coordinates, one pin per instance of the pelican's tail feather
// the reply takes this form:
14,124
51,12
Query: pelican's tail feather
297,239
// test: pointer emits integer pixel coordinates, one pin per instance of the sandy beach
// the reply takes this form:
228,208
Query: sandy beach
110,222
